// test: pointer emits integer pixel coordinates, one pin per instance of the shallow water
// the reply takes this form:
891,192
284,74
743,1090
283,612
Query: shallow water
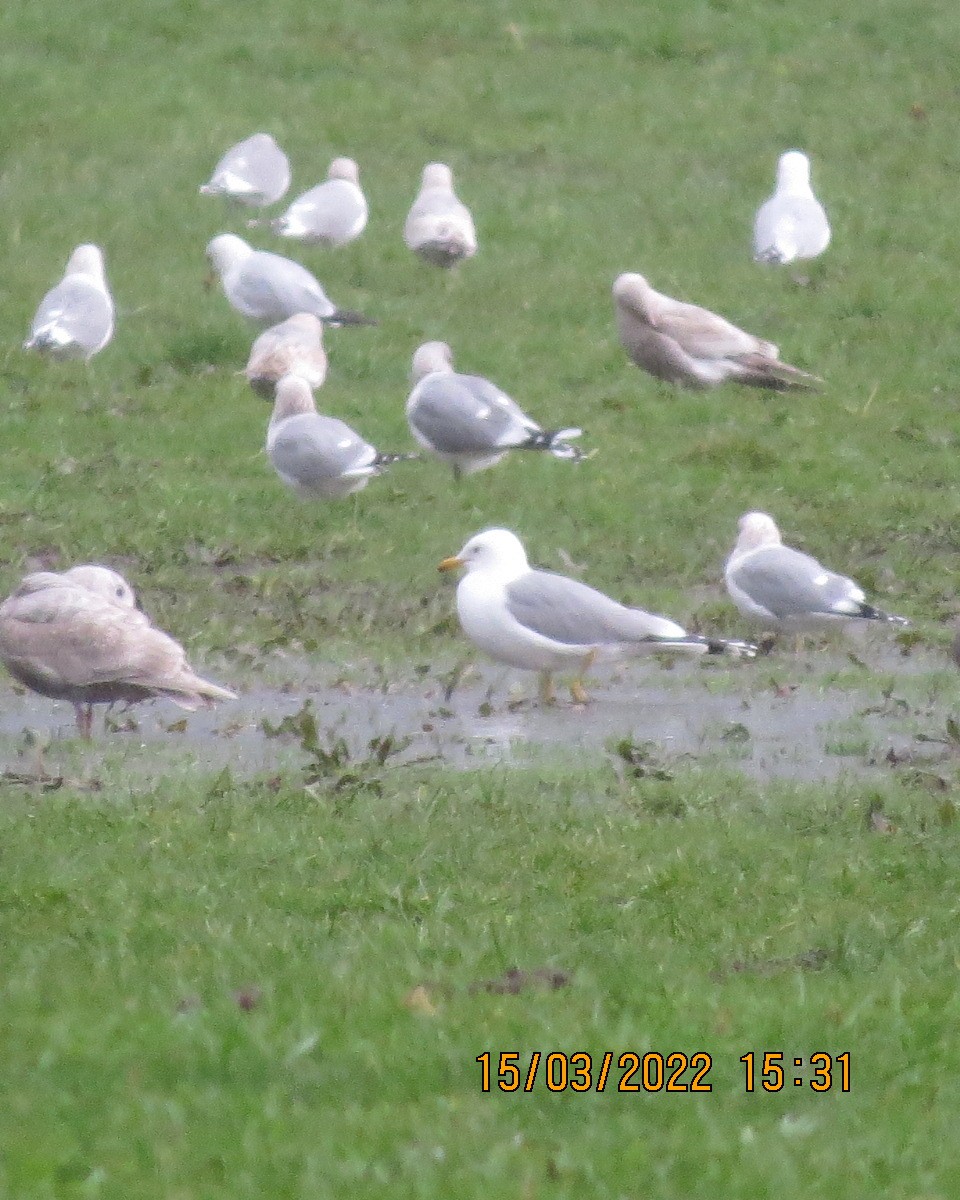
775,718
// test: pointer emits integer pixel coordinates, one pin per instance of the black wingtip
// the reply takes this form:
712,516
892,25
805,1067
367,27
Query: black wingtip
343,316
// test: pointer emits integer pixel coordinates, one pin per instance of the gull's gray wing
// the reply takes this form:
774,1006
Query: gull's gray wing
330,212
79,311
310,450
788,227
465,414
570,612
788,583
255,169
270,287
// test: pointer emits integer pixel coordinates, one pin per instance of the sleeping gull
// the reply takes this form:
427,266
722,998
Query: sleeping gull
693,347
792,223
545,622
786,589
78,636
254,172
331,214
467,421
439,227
75,318
317,455
294,347
268,287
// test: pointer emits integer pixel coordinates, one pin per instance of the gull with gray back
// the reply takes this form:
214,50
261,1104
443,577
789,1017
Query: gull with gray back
268,288
791,224
254,173
544,622
439,226
75,318
467,421
316,455
782,588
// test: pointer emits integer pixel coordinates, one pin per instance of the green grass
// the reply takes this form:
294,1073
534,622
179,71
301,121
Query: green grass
589,139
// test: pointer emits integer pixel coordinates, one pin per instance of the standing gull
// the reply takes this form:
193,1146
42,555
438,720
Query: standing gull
78,636
545,622
254,172
792,223
268,287
439,227
467,421
75,318
785,589
331,214
294,347
693,347
317,455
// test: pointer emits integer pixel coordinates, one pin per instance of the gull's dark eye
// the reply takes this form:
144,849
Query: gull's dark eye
121,592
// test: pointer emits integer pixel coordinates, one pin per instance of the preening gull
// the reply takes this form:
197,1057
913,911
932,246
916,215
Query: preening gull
78,636
792,223
786,589
439,227
75,318
467,421
545,622
294,347
331,214
318,455
691,346
254,172
268,287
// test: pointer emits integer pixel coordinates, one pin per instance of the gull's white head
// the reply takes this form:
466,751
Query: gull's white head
429,358
793,172
227,250
344,168
496,551
102,582
437,175
757,529
632,290
86,260
292,397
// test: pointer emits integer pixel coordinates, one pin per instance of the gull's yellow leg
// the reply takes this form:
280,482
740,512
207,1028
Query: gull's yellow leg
577,690
546,688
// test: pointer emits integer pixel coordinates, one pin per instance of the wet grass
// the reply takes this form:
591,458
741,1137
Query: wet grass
218,986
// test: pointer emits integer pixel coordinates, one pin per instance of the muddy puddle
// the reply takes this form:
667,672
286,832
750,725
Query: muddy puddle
777,718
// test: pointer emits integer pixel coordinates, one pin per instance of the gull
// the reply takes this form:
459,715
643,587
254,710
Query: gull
439,227
318,455
254,172
268,288
792,223
294,347
787,589
693,347
545,622
78,636
467,421
75,318
331,214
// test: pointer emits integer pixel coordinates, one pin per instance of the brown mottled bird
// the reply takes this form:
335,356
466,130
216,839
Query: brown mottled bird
693,347
294,347
78,636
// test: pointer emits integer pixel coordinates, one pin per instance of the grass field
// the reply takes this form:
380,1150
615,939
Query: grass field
217,985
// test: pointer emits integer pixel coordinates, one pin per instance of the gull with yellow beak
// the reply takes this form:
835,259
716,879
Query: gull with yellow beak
540,621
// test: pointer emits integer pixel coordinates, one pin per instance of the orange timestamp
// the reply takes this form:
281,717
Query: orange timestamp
583,1072
632,1071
